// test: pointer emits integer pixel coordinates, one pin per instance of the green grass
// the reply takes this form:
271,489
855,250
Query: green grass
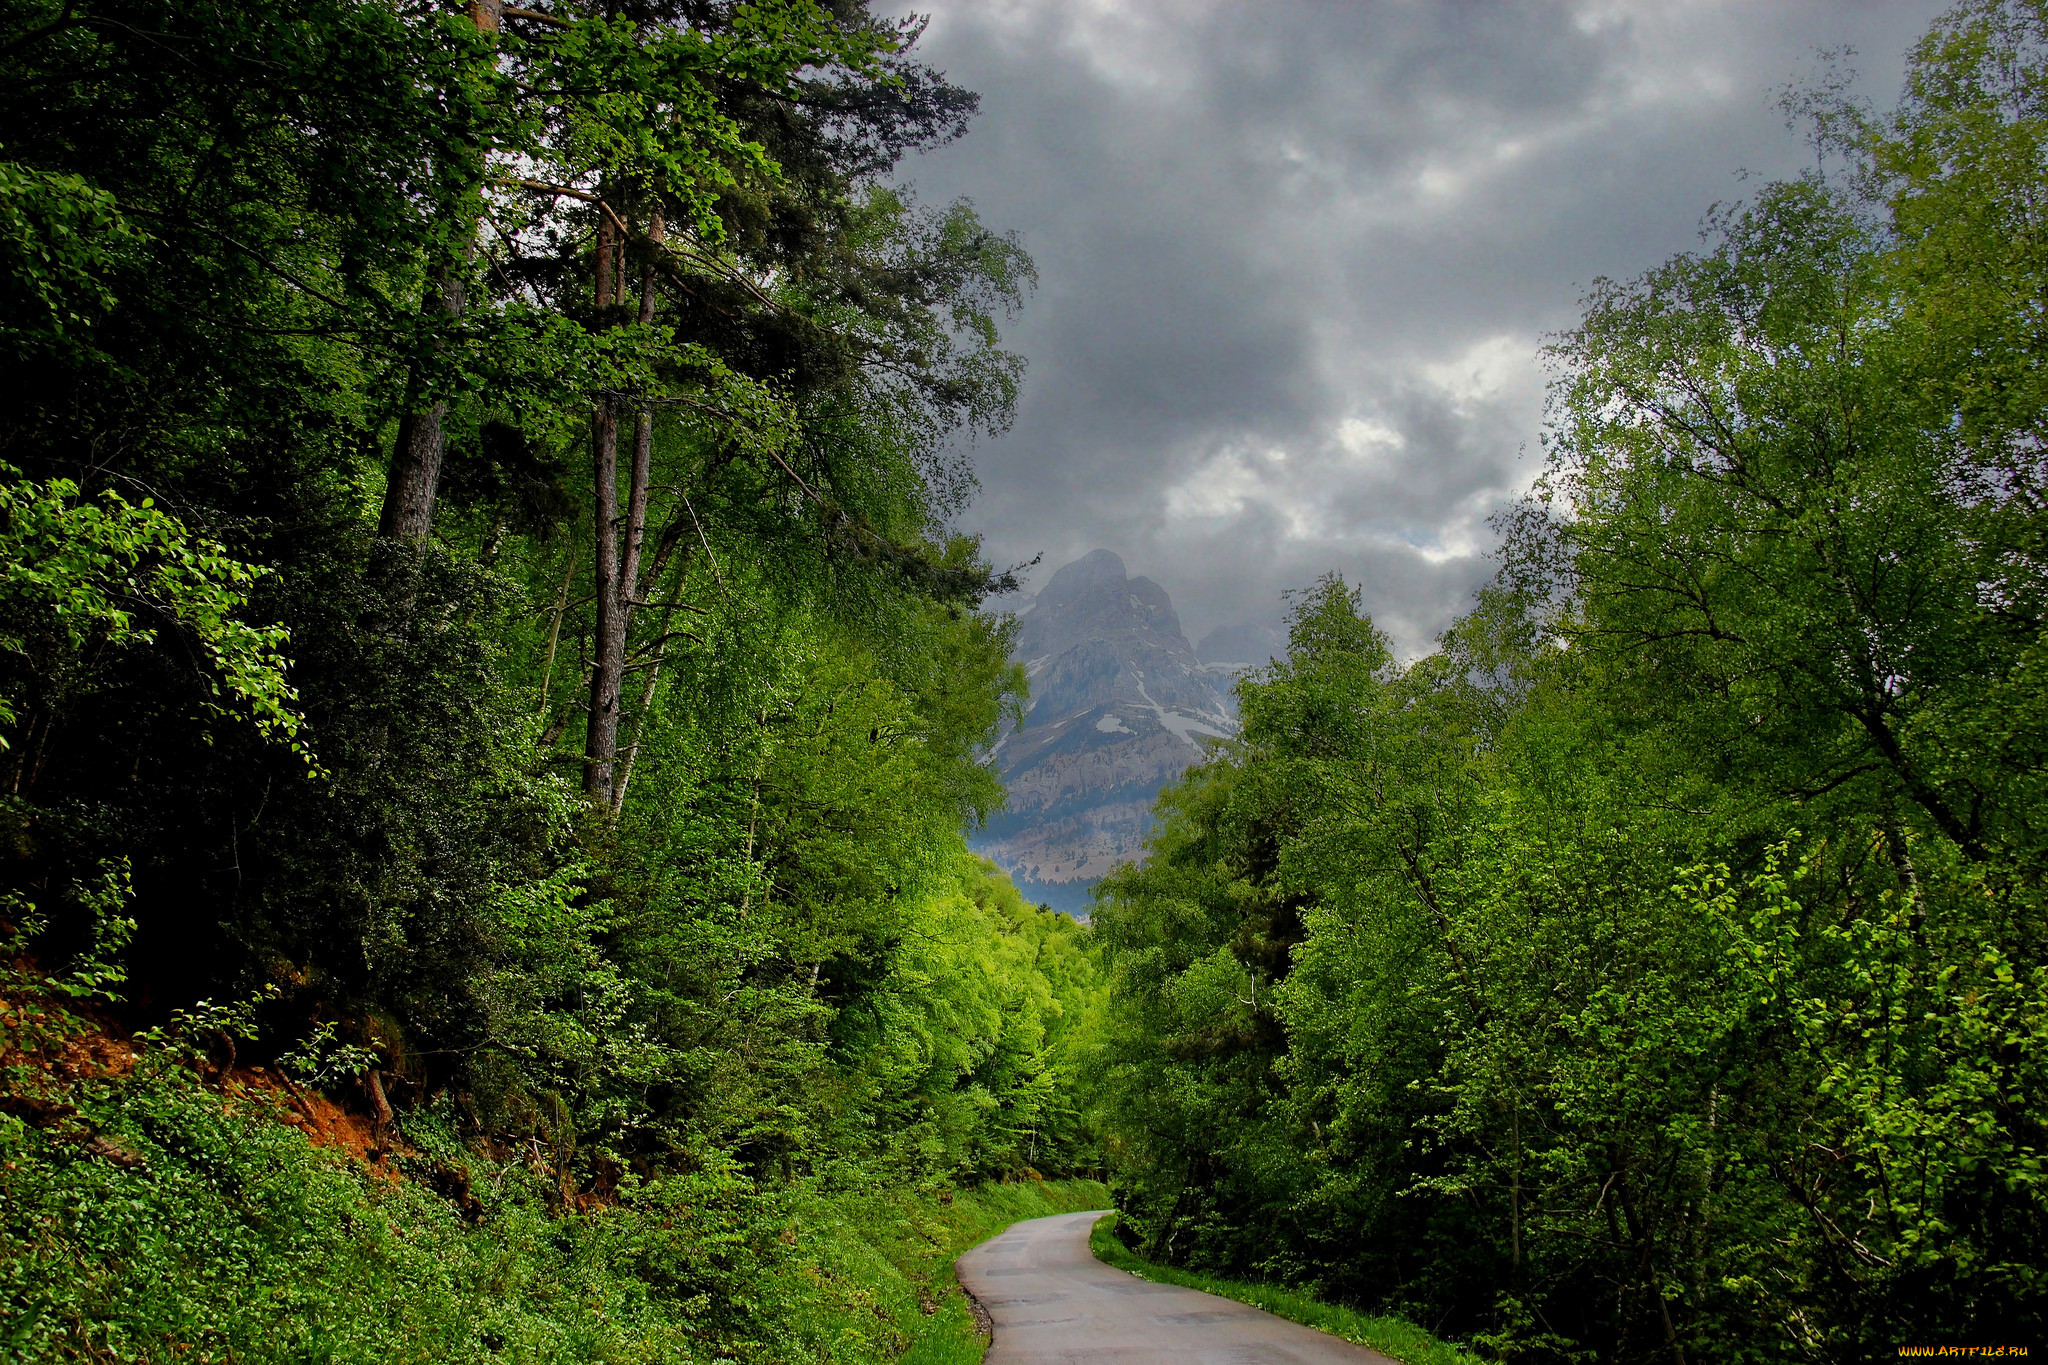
1387,1334
890,1260
973,1218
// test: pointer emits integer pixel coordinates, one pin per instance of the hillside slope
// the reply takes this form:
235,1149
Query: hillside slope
155,1204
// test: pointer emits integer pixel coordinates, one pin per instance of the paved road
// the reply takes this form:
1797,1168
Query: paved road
1054,1303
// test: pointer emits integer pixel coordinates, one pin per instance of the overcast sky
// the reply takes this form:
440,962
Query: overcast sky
1296,259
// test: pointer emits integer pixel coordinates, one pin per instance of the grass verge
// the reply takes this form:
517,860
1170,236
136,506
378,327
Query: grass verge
1387,1334
893,1256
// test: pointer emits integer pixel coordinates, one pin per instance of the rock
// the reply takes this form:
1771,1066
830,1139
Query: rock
1120,706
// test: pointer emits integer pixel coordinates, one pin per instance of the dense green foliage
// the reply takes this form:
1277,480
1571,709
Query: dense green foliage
218,1232
477,626
478,633
1657,970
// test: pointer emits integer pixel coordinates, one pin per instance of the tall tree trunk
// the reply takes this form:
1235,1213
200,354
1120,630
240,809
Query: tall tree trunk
643,445
415,474
631,590
647,700
547,670
608,648
618,574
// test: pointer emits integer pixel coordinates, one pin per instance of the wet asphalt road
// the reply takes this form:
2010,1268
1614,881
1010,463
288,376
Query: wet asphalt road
1054,1303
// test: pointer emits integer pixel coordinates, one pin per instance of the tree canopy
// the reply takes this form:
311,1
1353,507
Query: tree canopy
476,602
1655,971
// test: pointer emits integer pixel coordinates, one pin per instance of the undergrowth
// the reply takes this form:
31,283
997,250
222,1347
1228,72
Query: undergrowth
163,1212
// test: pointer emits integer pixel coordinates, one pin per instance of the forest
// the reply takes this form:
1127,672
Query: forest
493,706
479,648
1655,970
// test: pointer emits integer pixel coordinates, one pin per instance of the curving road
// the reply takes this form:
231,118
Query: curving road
1054,1303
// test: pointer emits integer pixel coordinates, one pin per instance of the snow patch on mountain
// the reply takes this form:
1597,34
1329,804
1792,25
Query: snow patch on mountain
1120,705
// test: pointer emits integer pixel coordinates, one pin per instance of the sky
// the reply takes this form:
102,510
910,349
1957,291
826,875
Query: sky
1297,260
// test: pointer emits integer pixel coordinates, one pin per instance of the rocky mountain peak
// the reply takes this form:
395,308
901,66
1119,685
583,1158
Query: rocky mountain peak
1097,566
1120,705
1096,594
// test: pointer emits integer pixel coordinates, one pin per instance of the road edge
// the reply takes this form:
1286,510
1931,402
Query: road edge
1393,1337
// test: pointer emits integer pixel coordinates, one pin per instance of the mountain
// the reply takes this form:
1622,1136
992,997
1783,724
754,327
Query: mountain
1120,704
1242,646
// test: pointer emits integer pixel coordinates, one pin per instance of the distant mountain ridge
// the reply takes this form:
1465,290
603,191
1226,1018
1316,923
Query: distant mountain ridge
1233,649
1120,705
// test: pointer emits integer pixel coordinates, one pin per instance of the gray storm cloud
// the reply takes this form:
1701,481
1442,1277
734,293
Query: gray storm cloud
1297,260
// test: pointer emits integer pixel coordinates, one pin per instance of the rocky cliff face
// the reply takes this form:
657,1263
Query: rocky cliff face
1120,705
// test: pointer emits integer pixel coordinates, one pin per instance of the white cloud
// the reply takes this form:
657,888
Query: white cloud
1369,437
1298,258
1488,369
1238,478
